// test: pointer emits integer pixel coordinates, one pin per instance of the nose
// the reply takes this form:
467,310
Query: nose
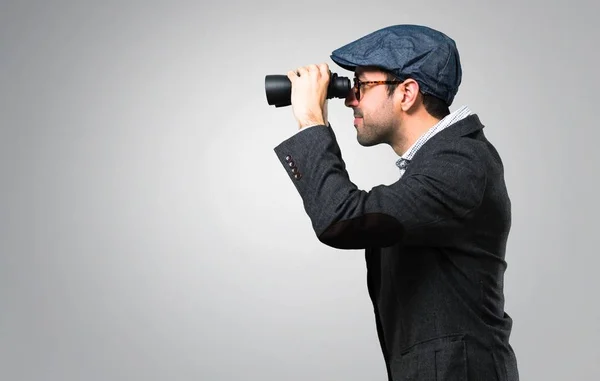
351,100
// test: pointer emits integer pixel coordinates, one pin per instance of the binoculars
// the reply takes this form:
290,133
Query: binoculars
279,89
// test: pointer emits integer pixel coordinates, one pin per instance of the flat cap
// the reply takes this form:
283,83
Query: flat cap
408,51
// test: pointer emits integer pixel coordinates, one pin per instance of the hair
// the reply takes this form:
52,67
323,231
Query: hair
435,106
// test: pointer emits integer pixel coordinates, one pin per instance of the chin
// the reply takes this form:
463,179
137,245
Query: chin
369,140
366,143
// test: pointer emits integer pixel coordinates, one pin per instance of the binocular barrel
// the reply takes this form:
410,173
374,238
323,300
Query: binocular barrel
279,89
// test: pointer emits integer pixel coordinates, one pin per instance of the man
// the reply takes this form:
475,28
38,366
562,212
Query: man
435,239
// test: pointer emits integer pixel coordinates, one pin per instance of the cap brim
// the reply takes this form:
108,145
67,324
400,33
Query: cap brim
348,61
344,63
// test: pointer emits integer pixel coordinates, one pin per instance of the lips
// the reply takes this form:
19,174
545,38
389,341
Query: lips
357,116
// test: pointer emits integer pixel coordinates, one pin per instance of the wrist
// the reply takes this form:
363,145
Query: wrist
312,122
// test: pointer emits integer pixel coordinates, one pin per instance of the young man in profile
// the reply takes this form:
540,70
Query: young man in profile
435,239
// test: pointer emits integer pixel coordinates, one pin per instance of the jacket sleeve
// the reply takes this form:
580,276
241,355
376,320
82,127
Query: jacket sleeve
428,205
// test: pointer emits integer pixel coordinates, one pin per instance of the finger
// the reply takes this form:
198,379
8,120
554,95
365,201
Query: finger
324,69
292,75
301,71
312,68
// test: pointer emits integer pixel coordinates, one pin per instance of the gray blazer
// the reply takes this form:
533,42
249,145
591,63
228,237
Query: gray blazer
434,245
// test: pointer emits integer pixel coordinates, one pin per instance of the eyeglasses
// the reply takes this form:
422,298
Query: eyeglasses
358,83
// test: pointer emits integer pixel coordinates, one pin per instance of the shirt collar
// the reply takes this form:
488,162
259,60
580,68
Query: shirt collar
446,121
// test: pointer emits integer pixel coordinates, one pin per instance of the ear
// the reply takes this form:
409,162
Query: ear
408,93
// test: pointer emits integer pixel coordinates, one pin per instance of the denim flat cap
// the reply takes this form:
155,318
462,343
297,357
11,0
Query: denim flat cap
409,51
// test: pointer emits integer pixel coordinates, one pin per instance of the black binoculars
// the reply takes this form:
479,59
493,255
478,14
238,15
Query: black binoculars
279,89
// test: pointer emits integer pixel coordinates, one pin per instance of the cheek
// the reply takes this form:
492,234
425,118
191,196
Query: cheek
378,117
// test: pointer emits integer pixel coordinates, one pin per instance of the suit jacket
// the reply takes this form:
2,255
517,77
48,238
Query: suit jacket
434,245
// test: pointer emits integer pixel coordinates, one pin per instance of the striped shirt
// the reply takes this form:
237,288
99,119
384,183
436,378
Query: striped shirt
446,122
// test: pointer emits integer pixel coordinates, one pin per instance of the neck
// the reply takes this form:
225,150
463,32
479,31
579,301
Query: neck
412,129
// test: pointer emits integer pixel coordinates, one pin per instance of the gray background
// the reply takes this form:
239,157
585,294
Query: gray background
148,231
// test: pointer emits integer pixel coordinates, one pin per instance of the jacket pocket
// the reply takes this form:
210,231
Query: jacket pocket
440,359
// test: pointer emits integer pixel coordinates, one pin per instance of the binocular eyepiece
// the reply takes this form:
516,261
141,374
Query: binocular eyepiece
279,89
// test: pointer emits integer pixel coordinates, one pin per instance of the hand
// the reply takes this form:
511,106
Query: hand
309,94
